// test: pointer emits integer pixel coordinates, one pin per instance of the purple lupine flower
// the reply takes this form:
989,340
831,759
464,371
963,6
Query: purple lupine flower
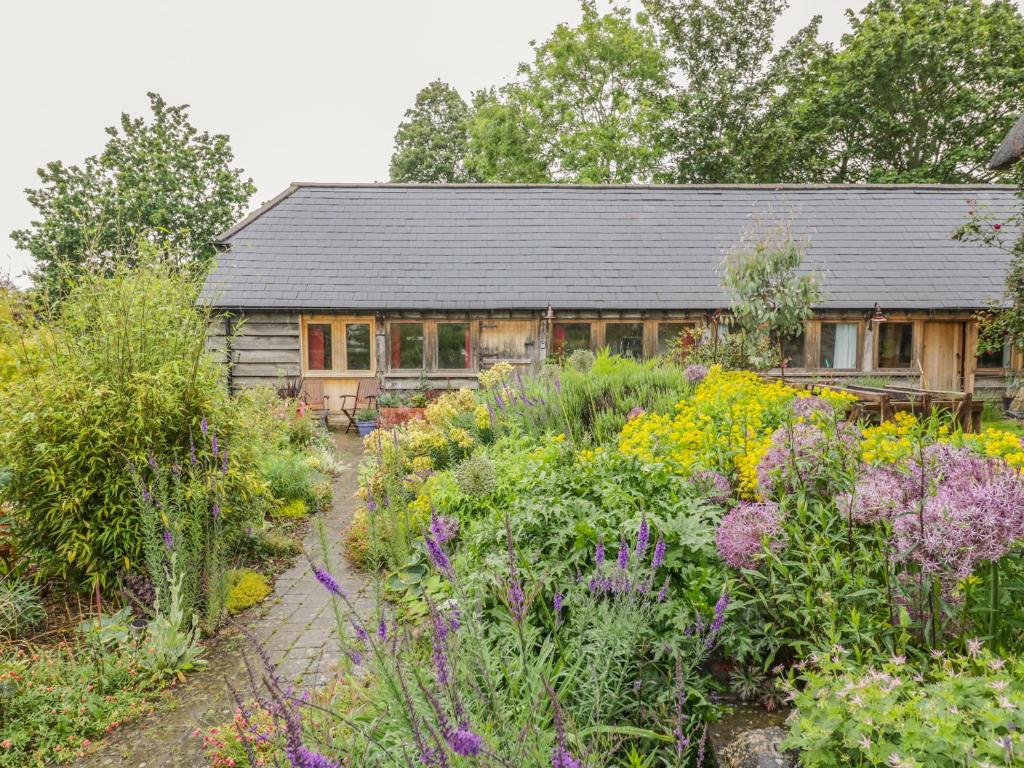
329,582
659,554
464,742
695,374
213,446
498,401
438,556
643,537
623,558
742,531
204,427
558,608
168,539
216,510
599,552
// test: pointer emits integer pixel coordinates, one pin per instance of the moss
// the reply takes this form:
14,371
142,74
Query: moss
293,510
245,589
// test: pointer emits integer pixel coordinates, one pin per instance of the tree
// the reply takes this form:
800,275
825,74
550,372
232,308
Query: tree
592,107
770,294
728,71
919,91
432,140
163,182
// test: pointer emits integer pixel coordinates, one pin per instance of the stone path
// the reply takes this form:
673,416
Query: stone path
296,625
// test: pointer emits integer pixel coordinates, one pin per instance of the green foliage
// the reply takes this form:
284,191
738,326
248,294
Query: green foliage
291,478
592,107
123,375
172,636
476,476
246,588
20,608
295,509
961,710
770,295
432,139
581,360
733,349
161,182
919,91
55,700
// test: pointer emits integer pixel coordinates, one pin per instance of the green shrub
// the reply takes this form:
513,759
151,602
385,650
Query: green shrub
289,475
957,711
20,608
295,509
246,588
275,544
125,375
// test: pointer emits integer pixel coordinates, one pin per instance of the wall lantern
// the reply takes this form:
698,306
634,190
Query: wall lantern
878,317
550,315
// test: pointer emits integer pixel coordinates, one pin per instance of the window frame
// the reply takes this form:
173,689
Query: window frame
609,323
392,368
1007,357
339,346
915,335
593,325
431,353
858,353
687,324
471,347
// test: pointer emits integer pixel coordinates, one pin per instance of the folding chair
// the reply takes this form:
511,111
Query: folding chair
366,396
311,392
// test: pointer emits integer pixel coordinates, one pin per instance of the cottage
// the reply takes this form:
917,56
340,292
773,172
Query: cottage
337,283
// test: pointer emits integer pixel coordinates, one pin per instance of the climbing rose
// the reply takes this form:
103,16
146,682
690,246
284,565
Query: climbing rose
742,531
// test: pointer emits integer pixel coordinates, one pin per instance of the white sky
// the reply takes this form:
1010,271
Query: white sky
310,90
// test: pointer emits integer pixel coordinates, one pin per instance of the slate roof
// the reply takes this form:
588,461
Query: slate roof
1012,148
479,247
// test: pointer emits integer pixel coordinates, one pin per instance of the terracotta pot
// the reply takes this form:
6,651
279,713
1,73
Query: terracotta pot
392,417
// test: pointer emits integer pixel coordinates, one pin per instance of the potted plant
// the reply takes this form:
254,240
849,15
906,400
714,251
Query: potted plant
395,409
366,421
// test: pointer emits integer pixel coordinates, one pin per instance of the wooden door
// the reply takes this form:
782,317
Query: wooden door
511,340
942,356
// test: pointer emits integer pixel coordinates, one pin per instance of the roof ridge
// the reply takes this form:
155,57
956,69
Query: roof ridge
768,187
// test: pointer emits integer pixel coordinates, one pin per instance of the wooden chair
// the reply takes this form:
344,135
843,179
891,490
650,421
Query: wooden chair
311,392
365,397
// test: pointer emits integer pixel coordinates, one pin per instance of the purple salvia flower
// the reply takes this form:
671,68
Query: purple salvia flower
643,537
204,427
151,459
464,742
438,556
213,445
216,510
623,558
498,401
382,631
192,452
717,620
329,582
360,631
146,495
663,592
558,384
168,539
302,757
599,552
659,554
224,462
558,608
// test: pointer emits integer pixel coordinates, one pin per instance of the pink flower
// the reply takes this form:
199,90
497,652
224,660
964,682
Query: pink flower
742,532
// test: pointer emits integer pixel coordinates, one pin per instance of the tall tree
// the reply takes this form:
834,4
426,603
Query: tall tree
592,107
431,142
727,73
918,91
160,181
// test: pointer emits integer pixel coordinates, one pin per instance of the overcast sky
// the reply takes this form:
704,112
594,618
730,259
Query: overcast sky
310,90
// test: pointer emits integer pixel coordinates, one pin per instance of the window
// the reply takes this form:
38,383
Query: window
568,337
625,339
669,336
319,355
453,346
407,346
895,345
999,358
357,346
793,351
838,346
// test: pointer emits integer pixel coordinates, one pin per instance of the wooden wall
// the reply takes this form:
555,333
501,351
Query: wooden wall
264,347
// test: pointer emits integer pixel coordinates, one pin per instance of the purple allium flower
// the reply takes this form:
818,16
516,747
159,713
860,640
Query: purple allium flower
216,510
464,742
599,552
204,427
713,485
329,582
880,493
659,554
805,407
168,539
558,599
695,374
643,537
742,531
623,558
794,458
635,412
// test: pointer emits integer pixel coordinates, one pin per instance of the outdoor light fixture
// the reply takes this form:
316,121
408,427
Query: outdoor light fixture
550,316
878,317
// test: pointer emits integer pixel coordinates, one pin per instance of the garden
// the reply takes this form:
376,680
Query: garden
141,506
586,566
